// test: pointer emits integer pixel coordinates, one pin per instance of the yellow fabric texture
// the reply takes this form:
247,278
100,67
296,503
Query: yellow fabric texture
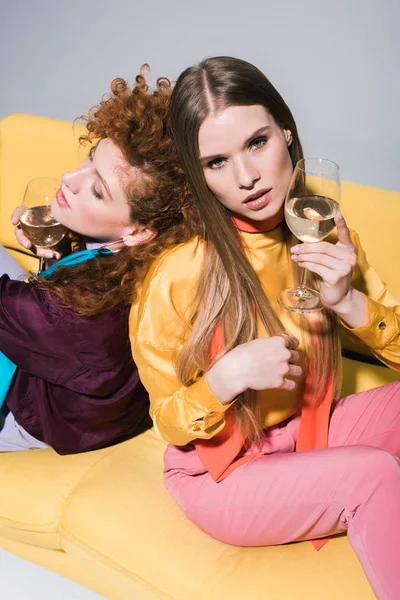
159,319
104,518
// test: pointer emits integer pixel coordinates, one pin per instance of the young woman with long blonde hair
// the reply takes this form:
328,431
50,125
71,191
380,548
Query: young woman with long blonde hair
262,449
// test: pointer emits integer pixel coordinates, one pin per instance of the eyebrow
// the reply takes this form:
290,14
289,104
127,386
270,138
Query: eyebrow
103,181
262,130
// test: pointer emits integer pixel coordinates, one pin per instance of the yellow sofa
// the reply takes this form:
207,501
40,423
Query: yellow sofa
104,518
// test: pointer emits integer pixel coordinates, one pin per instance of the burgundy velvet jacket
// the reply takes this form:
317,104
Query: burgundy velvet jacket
76,387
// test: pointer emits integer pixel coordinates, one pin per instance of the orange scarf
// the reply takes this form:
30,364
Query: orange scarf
220,454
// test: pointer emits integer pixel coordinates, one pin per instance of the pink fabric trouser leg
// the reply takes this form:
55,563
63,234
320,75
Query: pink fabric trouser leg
353,486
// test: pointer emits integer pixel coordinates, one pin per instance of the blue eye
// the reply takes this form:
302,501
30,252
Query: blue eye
258,142
216,163
96,194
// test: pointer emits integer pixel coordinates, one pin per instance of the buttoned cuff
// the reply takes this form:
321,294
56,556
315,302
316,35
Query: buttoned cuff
382,326
202,401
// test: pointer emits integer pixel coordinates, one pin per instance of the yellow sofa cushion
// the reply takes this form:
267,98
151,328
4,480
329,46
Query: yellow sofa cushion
119,522
36,485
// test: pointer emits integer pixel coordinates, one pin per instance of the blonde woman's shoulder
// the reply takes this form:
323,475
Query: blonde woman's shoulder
179,262
168,292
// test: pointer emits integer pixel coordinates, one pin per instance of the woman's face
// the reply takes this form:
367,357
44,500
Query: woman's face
245,158
91,200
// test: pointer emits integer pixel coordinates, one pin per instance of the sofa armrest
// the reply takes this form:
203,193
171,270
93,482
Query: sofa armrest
375,215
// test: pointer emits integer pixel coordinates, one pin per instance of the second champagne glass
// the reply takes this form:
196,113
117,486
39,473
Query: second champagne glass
311,204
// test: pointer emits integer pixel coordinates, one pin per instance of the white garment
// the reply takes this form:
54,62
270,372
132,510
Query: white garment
14,438
9,266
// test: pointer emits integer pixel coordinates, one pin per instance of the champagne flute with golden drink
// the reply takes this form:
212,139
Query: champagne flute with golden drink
311,204
36,220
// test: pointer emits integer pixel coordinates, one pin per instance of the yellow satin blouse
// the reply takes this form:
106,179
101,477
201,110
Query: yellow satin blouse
158,321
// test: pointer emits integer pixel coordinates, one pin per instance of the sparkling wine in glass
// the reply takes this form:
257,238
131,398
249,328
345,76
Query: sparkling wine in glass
311,204
36,220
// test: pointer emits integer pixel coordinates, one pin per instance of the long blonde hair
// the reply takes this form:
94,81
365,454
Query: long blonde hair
229,292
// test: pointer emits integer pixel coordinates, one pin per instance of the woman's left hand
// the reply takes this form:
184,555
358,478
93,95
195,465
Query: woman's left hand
334,263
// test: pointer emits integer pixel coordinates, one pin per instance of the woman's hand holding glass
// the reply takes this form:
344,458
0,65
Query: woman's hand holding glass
38,230
334,263
311,205
26,243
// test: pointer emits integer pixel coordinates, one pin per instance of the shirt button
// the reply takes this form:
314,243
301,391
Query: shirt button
382,325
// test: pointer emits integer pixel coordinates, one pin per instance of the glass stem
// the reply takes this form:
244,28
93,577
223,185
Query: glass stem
42,264
303,278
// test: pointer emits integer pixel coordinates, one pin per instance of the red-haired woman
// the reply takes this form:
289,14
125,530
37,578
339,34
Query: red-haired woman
68,377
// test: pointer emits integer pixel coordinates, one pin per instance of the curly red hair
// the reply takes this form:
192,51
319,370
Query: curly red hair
136,120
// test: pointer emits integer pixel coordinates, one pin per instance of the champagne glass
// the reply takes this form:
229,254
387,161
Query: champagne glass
36,220
312,202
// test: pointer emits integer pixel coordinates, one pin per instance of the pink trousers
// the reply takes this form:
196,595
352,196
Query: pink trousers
353,486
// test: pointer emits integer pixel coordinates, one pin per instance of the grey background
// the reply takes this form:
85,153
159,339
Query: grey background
336,63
